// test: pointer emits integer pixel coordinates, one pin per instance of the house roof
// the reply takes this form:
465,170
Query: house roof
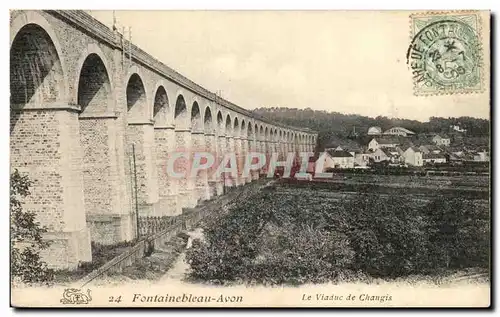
433,156
387,152
415,149
343,143
442,136
401,129
387,141
455,148
432,147
339,153
391,149
455,157
375,130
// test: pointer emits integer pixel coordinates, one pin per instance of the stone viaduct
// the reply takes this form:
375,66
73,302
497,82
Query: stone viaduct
85,103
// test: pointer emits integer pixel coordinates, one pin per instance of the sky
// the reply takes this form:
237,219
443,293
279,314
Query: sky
349,62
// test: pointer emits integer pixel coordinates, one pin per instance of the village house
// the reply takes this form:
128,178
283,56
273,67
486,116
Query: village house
441,140
374,131
457,128
413,156
481,156
343,145
454,159
379,155
377,143
338,159
430,148
390,154
457,151
399,131
361,159
433,158
393,153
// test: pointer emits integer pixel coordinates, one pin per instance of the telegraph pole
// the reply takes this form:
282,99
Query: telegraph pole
135,189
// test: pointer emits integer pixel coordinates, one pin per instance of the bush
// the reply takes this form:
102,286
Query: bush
25,236
387,235
305,238
459,233
271,242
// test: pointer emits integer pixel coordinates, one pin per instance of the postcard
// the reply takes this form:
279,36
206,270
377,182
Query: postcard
250,158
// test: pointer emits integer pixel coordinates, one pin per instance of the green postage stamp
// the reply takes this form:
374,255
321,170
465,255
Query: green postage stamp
445,54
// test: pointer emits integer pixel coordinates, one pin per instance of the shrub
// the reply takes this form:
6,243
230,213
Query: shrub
459,233
387,235
303,237
25,236
271,242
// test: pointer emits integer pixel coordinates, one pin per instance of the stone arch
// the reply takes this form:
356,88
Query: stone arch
250,131
243,127
28,19
267,133
261,132
236,129
161,107
229,129
37,76
94,93
220,123
208,124
181,113
196,119
137,102
94,49
95,97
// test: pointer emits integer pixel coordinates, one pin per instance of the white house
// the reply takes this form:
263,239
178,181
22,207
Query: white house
379,155
377,143
400,131
339,159
361,159
458,128
441,140
481,156
390,154
413,156
374,131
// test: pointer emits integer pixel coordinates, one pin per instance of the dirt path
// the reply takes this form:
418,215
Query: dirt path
180,267
178,270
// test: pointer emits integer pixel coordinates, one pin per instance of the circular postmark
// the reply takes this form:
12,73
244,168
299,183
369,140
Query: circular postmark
445,55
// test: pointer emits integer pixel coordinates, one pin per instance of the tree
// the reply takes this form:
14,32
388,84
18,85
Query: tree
26,236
